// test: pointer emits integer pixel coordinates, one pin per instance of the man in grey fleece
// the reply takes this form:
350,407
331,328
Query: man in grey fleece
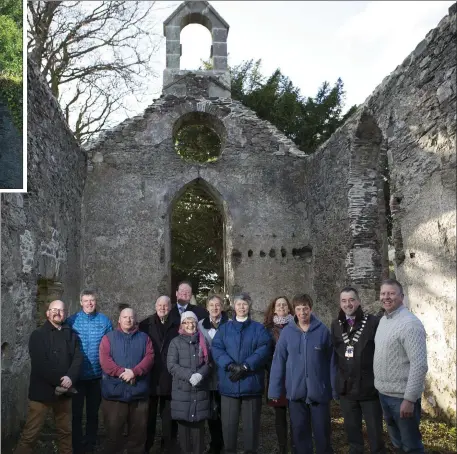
400,365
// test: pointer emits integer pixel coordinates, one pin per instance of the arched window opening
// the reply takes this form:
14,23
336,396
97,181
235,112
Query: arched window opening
48,290
196,42
197,241
199,137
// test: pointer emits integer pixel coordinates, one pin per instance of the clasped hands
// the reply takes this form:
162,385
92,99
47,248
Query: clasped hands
238,371
66,382
128,376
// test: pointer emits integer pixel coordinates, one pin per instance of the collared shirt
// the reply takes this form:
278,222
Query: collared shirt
396,311
182,309
212,331
215,322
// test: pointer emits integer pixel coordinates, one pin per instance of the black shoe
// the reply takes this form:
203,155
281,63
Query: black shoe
211,450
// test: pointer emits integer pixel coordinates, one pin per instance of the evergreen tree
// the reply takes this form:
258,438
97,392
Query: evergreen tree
308,121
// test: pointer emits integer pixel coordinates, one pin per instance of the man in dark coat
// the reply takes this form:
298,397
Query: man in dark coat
353,334
161,329
56,362
183,298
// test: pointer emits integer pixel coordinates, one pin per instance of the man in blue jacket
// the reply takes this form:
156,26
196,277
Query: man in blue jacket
304,364
90,326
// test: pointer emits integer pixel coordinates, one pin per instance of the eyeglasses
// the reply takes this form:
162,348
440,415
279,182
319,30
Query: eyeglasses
56,311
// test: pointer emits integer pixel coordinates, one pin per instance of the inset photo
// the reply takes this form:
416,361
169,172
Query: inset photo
12,154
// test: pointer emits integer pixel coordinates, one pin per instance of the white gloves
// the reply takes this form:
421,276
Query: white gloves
195,379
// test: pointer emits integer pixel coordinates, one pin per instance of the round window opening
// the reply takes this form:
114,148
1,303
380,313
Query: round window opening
198,137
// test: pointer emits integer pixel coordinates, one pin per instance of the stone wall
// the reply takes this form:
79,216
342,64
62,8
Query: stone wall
415,108
136,175
40,234
343,193
10,151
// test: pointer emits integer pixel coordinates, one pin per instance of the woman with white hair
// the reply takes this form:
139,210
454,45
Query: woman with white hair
241,349
189,364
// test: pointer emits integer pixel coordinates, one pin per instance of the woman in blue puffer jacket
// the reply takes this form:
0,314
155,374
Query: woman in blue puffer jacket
241,349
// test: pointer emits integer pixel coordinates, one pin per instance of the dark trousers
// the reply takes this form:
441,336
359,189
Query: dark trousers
169,427
35,420
250,413
115,415
191,437
215,427
308,421
281,428
371,410
89,392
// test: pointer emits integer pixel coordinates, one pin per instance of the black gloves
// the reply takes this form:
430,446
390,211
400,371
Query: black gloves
238,371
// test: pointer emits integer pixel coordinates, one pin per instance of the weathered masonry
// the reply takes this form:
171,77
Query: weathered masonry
10,151
292,221
282,216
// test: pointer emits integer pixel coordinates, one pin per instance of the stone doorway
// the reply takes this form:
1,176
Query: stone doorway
197,240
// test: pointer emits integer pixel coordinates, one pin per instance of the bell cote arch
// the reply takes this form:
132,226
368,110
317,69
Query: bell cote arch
196,12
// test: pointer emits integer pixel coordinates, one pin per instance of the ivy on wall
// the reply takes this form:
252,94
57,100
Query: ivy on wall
11,58
11,94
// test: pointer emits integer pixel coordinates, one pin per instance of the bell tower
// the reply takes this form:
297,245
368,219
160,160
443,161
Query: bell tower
211,83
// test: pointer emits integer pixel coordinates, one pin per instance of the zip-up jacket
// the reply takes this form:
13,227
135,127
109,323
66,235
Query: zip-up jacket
90,329
307,362
243,343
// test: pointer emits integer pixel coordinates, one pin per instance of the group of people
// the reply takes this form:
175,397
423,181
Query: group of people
194,366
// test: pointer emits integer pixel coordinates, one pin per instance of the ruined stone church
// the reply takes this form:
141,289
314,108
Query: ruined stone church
100,216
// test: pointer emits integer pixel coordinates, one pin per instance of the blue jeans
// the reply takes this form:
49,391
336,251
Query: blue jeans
404,432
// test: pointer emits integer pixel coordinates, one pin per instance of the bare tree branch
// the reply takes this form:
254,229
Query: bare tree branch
93,54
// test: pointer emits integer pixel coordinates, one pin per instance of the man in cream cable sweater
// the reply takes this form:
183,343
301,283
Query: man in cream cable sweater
400,365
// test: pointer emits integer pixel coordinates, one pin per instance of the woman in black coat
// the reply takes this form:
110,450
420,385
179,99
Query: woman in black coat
189,364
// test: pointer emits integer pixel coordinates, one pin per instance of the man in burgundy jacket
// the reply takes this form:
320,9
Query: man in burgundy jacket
126,357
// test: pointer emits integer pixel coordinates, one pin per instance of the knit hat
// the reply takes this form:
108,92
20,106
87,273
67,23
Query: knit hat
188,314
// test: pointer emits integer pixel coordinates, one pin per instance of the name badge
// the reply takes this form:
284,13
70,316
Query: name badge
349,351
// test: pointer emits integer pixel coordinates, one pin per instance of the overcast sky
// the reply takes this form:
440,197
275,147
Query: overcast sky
312,41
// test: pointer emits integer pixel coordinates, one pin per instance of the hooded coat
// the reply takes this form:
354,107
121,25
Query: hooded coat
307,362
188,403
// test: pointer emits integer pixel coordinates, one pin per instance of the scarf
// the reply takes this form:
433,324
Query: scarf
280,320
202,348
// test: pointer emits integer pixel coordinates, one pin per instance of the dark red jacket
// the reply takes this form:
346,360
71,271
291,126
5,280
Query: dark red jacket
109,367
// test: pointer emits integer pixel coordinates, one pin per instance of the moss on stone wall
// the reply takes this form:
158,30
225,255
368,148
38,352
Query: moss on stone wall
11,94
